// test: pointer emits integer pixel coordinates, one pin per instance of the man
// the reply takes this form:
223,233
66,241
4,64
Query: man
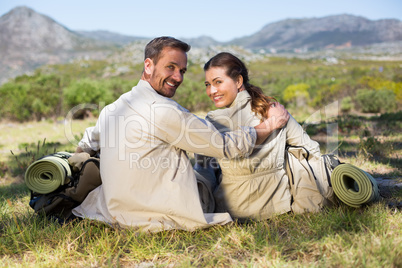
147,179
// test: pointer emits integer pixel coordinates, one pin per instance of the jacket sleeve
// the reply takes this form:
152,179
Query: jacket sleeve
191,133
296,136
90,142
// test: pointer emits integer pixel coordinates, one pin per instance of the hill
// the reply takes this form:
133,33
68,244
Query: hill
29,40
340,31
110,37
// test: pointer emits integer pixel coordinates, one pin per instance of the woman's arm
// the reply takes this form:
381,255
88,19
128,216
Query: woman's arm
296,136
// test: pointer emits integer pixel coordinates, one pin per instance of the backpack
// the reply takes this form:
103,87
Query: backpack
78,176
310,179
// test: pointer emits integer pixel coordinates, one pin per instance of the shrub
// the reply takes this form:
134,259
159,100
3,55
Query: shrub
376,101
382,84
191,95
46,91
86,91
31,97
349,123
120,86
297,93
15,102
390,123
371,147
347,104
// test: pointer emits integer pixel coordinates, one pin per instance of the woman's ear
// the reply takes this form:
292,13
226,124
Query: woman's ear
239,83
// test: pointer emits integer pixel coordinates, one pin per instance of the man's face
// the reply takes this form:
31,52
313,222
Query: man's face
166,76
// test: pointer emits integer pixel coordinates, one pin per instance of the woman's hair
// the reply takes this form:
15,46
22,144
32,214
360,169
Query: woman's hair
260,103
154,48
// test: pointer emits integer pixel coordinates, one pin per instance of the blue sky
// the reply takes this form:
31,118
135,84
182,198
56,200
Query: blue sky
221,19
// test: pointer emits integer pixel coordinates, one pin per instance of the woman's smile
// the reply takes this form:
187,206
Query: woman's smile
221,88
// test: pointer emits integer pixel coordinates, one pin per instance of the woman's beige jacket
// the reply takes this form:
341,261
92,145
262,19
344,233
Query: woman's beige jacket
285,173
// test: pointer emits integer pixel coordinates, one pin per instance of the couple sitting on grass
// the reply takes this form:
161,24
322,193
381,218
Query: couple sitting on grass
253,160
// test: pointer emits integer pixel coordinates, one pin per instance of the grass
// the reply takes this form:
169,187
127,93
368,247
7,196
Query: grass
337,237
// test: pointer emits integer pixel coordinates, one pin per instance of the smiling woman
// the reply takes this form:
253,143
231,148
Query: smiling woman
220,88
285,173
225,76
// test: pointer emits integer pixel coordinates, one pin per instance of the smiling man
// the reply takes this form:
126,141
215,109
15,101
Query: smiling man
143,137
165,72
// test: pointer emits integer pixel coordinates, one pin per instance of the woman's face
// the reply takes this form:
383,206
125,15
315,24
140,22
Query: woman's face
221,88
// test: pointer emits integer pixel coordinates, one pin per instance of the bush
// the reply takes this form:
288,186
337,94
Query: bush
376,101
46,91
86,92
119,86
31,97
15,102
191,95
390,123
371,147
297,93
347,104
348,123
383,84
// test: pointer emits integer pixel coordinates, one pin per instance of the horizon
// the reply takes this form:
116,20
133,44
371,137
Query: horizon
221,20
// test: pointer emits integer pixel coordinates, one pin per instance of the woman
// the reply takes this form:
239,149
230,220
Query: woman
285,173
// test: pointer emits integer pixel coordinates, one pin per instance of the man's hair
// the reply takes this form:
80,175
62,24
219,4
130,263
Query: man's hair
154,48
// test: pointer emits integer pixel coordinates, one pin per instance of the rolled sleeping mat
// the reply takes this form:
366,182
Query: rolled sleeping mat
48,173
353,186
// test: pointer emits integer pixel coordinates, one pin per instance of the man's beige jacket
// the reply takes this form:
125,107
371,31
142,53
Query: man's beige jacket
147,179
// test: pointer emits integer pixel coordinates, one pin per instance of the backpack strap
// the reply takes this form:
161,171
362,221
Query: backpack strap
76,176
330,162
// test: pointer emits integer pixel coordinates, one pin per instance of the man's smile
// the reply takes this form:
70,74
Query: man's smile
170,84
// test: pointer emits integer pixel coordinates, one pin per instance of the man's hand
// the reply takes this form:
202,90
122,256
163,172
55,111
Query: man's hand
278,117
78,150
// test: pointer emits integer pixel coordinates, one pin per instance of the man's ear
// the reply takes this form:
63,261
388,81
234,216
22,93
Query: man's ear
148,66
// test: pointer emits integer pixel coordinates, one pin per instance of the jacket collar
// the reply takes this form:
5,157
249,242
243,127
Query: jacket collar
144,84
241,98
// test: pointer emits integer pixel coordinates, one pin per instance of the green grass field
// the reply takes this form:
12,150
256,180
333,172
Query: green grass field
336,237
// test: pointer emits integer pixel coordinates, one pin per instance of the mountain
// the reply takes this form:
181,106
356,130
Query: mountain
29,39
201,42
327,32
23,29
110,37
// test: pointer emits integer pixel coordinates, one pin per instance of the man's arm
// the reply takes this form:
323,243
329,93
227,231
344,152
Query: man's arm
188,132
90,141
80,150
278,117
